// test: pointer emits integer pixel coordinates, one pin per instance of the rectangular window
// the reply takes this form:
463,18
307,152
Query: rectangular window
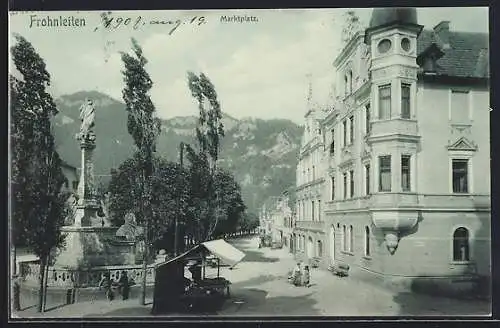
405,173
367,118
384,103
460,175
344,238
367,179
385,173
319,210
333,188
352,182
332,144
312,210
351,239
351,129
367,241
405,100
344,127
345,185
460,106
314,173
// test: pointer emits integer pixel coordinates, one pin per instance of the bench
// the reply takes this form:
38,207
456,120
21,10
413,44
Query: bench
341,270
315,262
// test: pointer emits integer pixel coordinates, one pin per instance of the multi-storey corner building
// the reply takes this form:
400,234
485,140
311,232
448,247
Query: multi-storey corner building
407,184
309,227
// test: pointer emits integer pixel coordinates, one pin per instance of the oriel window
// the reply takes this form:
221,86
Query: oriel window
405,173
384,102
405,100
385,173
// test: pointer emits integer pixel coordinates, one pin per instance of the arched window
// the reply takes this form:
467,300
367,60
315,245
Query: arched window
367,241
319,252
351,239
461,244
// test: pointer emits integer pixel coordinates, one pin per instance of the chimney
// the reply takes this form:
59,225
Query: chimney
442,33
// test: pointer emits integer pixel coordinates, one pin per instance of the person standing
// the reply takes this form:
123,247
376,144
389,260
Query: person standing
106,284
297,275
306,277
124,285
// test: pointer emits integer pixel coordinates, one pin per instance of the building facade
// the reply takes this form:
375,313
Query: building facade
309,236
283,222
71,174
406,195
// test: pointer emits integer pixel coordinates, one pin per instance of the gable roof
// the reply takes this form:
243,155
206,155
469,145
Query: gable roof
468,55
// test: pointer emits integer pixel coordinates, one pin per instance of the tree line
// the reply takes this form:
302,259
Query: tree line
199,200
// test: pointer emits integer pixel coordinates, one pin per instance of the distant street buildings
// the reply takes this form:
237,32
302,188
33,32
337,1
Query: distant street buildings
393,180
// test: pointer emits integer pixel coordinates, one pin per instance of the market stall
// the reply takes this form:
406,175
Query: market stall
174,292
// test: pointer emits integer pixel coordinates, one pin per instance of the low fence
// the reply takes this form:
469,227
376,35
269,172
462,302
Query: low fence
68,278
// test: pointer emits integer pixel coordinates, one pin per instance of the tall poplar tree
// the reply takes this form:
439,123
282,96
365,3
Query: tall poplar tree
209,133
38,205
144,127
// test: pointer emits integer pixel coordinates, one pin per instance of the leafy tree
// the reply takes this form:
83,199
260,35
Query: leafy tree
230,207
144,127
209,132
168,182
38,204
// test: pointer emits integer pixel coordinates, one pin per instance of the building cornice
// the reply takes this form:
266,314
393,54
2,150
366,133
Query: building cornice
309,184
393,136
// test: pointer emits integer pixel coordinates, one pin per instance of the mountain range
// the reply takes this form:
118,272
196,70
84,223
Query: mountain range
262,154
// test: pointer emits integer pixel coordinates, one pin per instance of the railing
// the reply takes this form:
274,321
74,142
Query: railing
60,277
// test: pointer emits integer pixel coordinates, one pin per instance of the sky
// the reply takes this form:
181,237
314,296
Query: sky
259,69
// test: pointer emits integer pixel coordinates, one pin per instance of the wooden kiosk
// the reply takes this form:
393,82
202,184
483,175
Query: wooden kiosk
174,292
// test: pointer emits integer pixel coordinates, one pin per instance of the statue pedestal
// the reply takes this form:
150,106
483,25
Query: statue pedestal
88,247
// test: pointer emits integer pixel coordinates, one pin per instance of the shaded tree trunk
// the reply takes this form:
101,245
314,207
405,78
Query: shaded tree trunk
146,219
41,284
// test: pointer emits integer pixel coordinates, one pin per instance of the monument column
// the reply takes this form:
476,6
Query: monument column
88,205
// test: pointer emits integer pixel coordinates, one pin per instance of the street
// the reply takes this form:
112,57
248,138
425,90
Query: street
260,288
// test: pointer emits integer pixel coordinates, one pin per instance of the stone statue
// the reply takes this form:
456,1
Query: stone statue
129,230
87,116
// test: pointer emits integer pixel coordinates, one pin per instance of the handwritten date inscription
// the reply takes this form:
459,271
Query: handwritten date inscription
109,22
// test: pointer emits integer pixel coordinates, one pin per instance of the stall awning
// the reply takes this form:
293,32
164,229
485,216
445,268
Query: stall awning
227,253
